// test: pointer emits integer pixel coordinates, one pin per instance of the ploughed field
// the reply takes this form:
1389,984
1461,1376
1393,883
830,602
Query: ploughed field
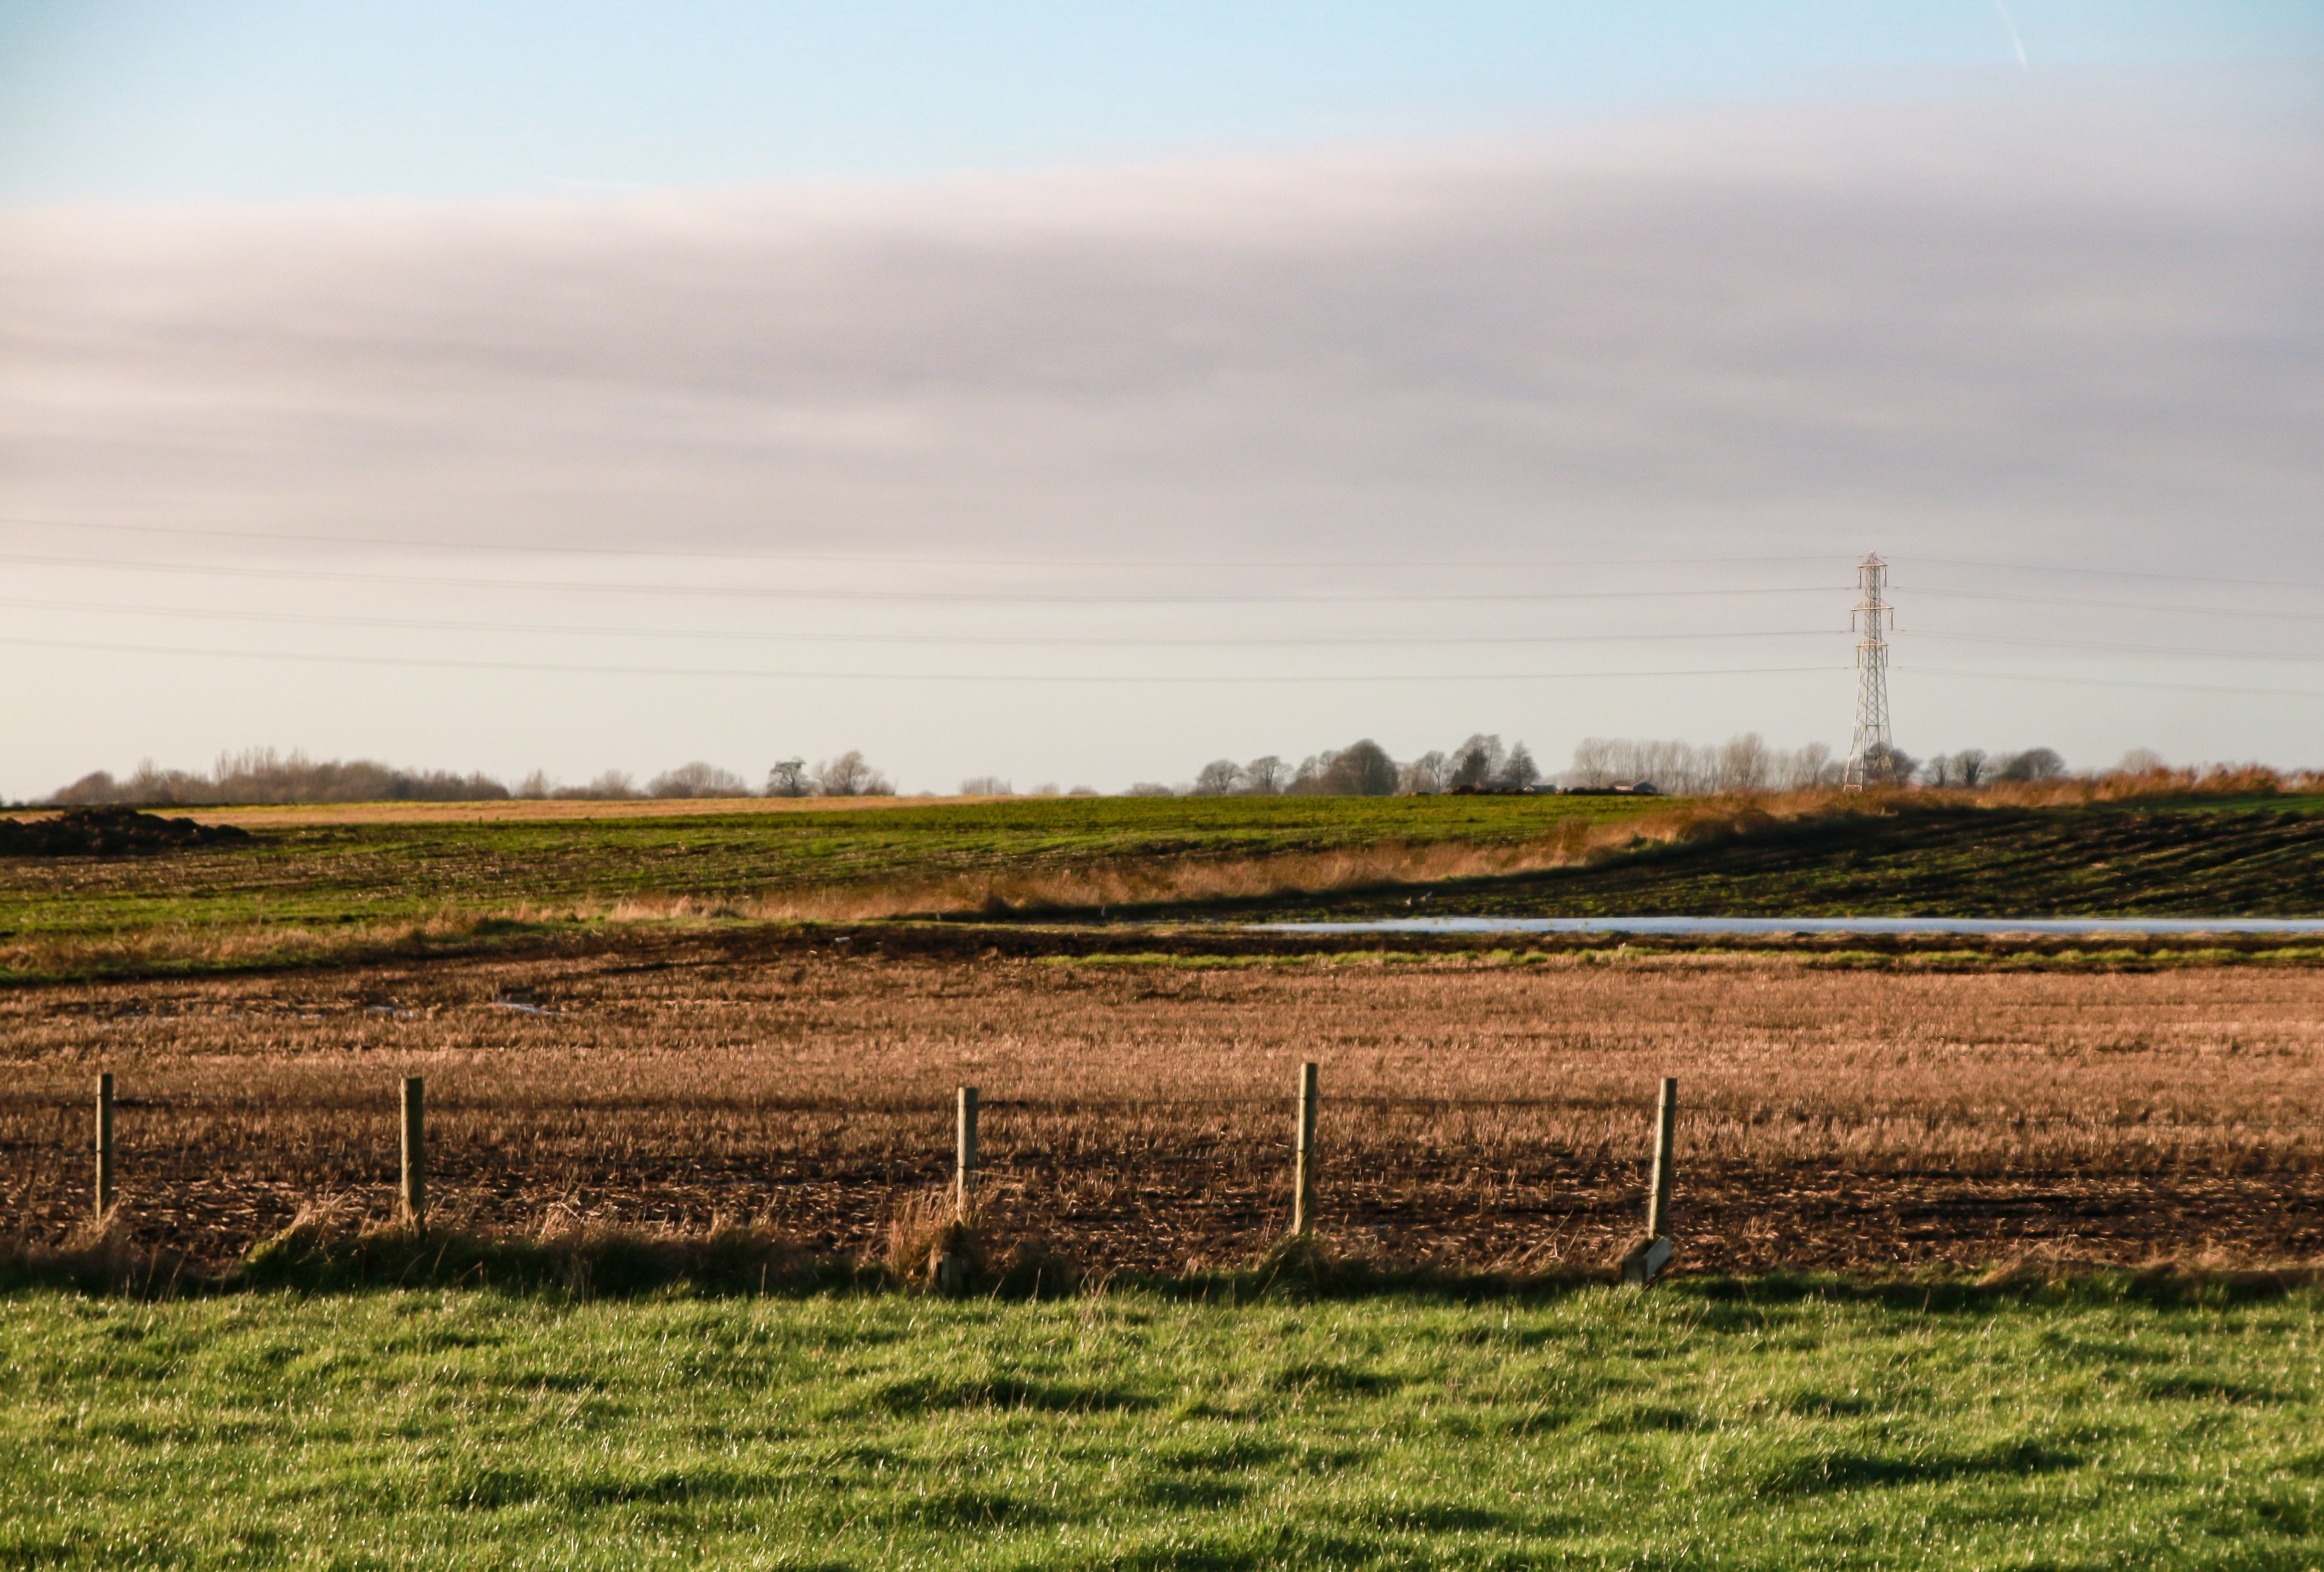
2236,858
1479,1110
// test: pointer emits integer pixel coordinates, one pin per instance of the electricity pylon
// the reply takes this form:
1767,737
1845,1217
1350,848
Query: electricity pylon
1869,750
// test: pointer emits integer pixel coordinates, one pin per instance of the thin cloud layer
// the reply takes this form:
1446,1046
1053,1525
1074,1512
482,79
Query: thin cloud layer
1973,317
2039,331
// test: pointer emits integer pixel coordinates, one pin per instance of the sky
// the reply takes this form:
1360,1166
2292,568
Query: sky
1076,394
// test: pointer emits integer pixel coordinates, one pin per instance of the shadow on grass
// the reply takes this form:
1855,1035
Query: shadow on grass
322,1253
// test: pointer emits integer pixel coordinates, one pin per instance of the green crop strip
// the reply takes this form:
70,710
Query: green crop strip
404,872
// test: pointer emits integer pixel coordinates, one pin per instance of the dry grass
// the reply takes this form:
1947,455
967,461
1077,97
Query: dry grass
188,947
1136,1116
1150,881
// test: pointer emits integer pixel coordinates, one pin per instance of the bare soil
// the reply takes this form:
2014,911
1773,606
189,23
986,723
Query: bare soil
1138,1117
107,832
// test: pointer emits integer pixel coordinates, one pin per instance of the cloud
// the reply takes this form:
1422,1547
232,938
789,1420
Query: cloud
2043,329
1899,316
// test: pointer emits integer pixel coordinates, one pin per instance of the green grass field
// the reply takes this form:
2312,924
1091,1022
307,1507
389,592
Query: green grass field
1695,1425
389,872
303,894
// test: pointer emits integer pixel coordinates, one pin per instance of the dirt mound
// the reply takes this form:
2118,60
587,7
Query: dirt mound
107,832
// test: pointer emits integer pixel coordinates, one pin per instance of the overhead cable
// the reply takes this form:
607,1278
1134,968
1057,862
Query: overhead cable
1004,597
761,635
612,670
900,560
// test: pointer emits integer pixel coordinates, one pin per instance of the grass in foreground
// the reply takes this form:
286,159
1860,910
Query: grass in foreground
1697,1425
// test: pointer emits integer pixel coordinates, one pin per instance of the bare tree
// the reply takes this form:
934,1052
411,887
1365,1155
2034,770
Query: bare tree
986,786
2032,764
1970,768
1219,777
1518,773
849,776
698,779
1425,776
1149,789
611,786
2141,762
788,779
96,787
1939,771
1266,776
1807,767
1593,765
1744,763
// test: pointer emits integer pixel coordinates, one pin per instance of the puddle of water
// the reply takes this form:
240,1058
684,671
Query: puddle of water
1686,925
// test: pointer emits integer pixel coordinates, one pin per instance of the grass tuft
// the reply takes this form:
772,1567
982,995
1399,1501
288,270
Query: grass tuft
322,1251
99,1257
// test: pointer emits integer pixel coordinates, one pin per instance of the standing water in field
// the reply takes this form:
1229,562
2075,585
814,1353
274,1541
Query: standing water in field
1682,925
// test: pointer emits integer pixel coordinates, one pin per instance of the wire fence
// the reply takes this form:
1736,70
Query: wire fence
202,1164
1760,1112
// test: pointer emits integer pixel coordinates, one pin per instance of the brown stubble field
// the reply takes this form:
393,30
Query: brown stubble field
1478,1112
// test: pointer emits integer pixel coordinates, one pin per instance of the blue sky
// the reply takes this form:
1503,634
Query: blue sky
162,99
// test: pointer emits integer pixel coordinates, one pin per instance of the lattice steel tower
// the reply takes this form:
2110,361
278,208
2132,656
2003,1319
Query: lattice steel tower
1869,750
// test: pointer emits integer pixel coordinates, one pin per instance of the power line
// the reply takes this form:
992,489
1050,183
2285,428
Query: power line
2096,644
1011,641
607,671
439,544
2112,573
612,670
1018,598
2117,682
2233,611
453,625
1005,597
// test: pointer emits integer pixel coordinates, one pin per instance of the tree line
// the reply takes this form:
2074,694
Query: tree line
1481,764
1744,763
1362,769
262,775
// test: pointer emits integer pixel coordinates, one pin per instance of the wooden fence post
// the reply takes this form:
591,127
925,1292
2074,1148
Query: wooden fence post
1649,1256
1302,1177
103,1144
1666,1132
964,1171
415,1154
